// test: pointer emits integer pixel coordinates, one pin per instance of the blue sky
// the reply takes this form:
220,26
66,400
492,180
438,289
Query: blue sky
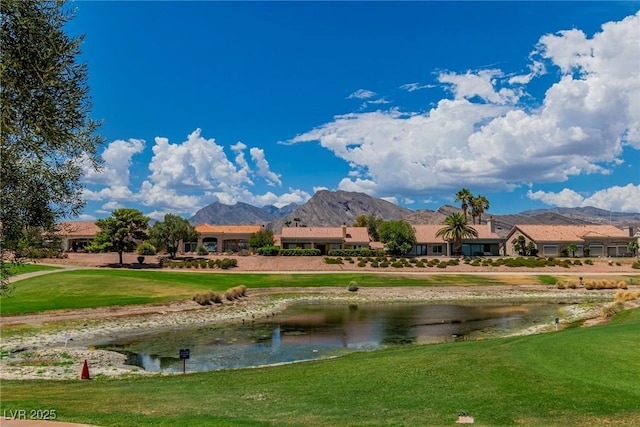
532,104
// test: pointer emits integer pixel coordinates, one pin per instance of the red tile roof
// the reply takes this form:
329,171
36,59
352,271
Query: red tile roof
354,234
77,229
426,233
569,233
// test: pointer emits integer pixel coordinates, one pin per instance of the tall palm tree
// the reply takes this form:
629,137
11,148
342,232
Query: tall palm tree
479,205
464,196
455,229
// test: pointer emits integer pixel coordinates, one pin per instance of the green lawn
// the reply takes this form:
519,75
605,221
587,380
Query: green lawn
17,269
98,287
575,377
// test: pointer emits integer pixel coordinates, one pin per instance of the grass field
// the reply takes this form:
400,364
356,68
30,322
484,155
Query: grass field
99,288
575,377
17,269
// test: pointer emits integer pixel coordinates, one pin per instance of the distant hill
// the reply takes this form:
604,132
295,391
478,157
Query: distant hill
240,213
333,208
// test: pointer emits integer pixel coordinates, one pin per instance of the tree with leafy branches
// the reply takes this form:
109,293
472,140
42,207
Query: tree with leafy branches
120,232
456,228
167,234
47,136
261,238
398,236
633,247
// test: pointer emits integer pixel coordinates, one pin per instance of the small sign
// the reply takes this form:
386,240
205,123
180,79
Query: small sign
184,354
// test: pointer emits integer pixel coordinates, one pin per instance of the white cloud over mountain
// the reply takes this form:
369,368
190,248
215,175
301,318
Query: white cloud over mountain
619,199
183,177
487,138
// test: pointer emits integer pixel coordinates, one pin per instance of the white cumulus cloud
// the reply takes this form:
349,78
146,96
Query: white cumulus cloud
491,137
619,199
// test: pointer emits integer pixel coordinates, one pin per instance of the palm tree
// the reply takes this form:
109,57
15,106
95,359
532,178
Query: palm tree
479,205
456,228
465,197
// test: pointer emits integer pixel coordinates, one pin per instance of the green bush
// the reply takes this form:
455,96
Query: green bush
202,251
353,286
360,252
333,260
442,264
362,263
635,265
269,251
300,252
146,248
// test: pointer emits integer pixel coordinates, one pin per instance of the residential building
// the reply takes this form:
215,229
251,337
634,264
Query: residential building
591,239
222,238
76,235
324,238
488,242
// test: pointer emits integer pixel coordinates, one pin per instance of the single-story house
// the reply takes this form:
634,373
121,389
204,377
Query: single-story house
488,242
76,235
600,240
324,238
222,238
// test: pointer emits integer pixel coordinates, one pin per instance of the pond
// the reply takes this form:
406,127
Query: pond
312,331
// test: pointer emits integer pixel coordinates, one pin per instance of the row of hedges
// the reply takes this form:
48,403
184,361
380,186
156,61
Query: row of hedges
384,262
224,264
276,250
361,252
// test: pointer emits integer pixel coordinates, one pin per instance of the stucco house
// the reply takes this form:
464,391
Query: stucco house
324,238
222,238
601,240
488,242
76,235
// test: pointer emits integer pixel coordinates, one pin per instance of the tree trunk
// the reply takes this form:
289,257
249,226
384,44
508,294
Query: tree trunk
120,256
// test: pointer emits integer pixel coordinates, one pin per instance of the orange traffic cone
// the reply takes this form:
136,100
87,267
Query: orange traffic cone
85,371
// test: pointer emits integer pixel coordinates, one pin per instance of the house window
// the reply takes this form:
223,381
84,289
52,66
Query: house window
437,249
549,250
190,246
420,250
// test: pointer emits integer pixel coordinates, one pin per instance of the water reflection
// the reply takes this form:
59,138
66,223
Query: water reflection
310,331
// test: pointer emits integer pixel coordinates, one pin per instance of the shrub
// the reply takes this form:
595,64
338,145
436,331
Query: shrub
610,310
353,286
590,262
419,264
333,260
360,252
636,265
202,251
622,284
227,263
374,264
300,252
577,262
626,296
397,264
561,285
269,251
207,298
384,264
442,264
146,248
362,263
235,292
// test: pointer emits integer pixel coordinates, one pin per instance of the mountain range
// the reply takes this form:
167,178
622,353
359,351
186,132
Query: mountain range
334,208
